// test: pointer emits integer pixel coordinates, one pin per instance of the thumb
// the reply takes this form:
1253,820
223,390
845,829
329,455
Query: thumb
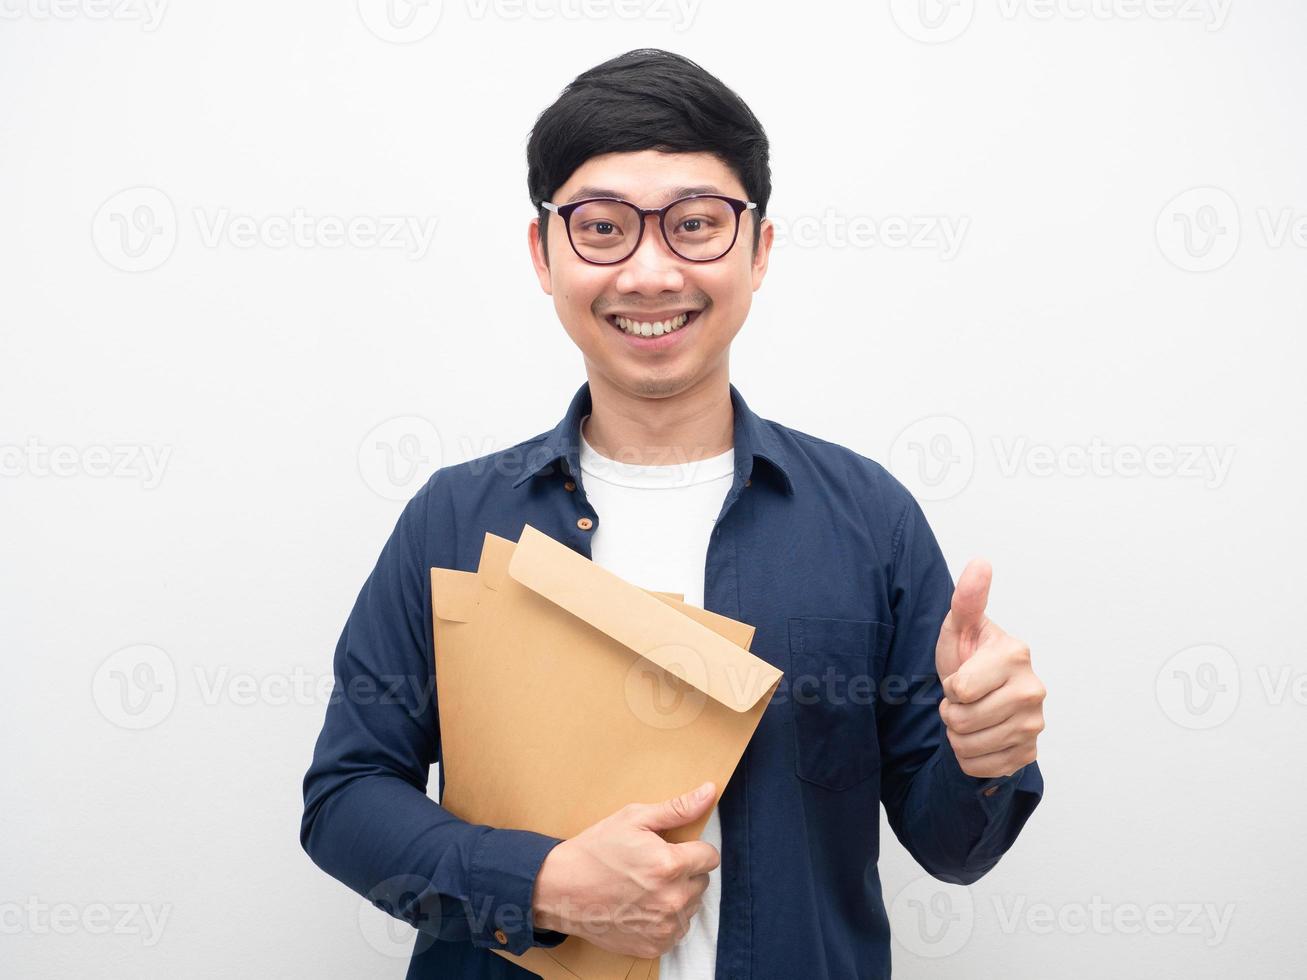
966,613
678,811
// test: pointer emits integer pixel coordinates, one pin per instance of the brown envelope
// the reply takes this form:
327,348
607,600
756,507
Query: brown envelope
565,693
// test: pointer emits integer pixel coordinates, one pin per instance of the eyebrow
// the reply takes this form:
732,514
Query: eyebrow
671,195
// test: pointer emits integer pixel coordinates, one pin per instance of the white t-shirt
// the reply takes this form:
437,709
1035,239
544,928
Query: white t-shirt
653,530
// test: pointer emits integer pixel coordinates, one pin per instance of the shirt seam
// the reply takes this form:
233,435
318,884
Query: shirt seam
898,539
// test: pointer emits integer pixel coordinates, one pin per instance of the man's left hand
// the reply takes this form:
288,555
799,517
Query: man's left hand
993,705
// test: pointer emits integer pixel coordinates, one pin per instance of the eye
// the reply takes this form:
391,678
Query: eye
697,224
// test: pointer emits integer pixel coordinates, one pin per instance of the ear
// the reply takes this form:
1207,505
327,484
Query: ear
538,257
759,265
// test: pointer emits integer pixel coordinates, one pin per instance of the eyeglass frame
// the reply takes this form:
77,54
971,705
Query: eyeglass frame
564,211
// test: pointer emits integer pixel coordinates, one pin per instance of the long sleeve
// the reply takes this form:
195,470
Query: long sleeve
367,819
956,826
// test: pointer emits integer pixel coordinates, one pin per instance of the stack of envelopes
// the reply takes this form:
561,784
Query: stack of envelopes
566,693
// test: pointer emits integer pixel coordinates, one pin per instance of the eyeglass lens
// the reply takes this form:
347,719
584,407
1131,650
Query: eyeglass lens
698,228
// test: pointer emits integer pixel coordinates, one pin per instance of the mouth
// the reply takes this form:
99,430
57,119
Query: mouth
648,331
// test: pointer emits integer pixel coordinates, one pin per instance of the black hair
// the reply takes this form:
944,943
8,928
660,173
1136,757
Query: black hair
646,99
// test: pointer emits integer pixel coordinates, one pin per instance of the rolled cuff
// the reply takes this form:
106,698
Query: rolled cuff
992,810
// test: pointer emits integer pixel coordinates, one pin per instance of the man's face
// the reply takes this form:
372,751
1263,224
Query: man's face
654,284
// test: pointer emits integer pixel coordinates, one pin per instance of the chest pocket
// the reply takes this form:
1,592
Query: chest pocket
835,670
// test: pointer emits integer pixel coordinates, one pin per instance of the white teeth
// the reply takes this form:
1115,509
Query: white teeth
656,329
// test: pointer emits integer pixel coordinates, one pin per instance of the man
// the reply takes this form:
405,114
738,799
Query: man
651,182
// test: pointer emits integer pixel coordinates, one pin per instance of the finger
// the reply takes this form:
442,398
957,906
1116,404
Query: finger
983,674
697,857
692,907
966,612
700,883
685,921
995,764
993,709
691,910
676,812
996,738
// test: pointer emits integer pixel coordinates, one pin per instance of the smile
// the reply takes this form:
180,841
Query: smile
652,328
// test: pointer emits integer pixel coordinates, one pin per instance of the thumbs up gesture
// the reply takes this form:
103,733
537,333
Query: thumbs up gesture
993,705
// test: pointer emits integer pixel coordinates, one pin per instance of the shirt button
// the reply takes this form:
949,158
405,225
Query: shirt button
989,792
584,523
501,937
569,485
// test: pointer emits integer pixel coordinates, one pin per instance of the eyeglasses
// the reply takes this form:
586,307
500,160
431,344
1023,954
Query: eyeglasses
608,230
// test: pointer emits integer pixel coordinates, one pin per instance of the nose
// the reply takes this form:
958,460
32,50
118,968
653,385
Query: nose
653,267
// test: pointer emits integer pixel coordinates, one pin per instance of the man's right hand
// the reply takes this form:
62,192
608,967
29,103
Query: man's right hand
619,885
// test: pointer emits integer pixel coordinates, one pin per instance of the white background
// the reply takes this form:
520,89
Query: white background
1129,282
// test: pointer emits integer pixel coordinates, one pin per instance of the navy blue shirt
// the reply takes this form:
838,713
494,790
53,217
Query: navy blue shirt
830,558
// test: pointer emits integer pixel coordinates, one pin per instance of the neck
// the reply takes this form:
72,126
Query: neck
693,424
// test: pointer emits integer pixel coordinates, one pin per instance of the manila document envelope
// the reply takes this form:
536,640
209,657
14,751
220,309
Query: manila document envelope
566,693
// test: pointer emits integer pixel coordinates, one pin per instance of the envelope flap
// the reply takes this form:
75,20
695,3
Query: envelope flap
454,594
493,564
678,596
630,615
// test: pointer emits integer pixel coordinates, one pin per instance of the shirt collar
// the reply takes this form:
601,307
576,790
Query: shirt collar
754,439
